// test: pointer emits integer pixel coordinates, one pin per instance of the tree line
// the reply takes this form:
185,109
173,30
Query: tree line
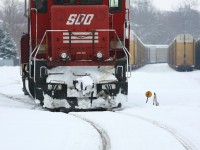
161,27
13,24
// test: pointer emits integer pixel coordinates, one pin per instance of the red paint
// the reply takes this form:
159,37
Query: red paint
75,18
81,42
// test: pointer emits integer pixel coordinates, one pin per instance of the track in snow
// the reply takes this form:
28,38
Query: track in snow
20,100
104,137
180,138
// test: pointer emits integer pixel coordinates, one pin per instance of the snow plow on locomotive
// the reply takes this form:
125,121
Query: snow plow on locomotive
75,54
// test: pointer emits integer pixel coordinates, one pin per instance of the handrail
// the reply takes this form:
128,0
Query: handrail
30,62
127,27
36,50
128,55
30,40
130,60
26,8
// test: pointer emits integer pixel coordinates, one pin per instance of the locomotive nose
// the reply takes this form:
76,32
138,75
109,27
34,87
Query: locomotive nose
81,39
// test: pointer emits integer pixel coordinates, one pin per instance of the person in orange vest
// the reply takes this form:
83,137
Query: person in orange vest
155,101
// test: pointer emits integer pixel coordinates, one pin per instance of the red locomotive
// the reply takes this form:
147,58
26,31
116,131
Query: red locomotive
75,54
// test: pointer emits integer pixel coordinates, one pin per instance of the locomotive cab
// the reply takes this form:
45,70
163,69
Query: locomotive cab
75,55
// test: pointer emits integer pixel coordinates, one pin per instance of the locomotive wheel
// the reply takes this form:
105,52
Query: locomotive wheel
30,87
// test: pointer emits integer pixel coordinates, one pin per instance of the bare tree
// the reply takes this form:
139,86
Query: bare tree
159,27
189,18
145,20
14,21
192,4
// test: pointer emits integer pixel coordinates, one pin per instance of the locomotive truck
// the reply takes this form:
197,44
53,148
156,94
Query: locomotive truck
75,54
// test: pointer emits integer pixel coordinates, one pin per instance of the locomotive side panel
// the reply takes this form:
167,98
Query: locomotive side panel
25,49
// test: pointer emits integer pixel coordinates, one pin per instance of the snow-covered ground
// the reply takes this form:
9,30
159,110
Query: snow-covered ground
174,125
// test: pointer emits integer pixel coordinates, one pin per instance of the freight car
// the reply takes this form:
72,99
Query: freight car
197,59
181,53
157,53
75,54
138,51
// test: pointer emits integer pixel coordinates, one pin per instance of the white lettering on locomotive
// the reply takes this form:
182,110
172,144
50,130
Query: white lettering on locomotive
78,19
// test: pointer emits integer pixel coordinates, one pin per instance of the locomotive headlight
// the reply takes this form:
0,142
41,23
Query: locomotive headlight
63,55
99,55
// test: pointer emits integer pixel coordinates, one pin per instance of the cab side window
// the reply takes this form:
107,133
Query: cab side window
91,1
63,2
115,5
41,6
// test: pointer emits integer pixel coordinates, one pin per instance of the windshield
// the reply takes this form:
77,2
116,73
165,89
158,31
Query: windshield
115,5
41,6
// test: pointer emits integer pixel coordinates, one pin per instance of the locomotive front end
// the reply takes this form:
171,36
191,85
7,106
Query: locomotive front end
80,62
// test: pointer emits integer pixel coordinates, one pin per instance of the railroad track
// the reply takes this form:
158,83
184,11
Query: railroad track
23,101
104,137
180,138
27,101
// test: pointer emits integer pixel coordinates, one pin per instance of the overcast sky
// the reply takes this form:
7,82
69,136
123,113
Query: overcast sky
169,4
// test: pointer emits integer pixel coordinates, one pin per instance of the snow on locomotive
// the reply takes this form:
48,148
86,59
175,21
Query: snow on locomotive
75,54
